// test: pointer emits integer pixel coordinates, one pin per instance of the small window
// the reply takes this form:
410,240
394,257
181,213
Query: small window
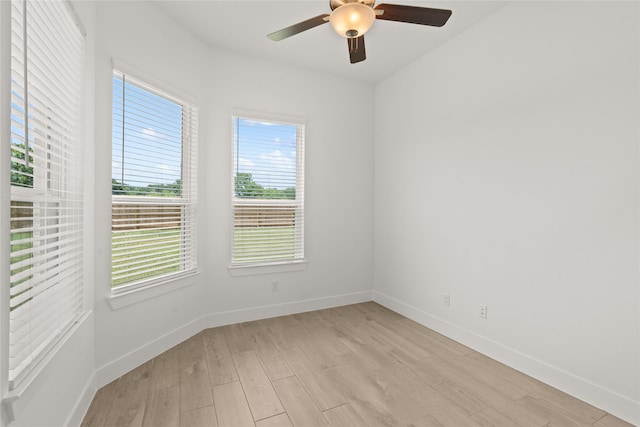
153,219
268,191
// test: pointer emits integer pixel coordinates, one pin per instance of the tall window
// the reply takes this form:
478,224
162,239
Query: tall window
268,191
46,213
153,225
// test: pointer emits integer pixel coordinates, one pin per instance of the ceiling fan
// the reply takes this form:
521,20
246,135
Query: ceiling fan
353,18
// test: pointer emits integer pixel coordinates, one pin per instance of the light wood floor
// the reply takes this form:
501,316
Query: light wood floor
359,365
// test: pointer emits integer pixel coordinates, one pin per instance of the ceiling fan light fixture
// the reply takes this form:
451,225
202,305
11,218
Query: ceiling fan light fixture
352,19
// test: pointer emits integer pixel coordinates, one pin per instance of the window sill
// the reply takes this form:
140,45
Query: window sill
251,270
9,400
137,295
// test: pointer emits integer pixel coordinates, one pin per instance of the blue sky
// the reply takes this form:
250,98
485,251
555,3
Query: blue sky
153,141
152,137
267,150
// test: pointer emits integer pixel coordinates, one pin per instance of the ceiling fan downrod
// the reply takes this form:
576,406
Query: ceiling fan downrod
334,4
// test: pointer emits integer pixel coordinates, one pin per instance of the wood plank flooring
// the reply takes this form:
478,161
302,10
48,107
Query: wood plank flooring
358,365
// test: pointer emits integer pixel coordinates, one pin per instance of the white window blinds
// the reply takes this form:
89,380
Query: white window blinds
46,219
153,185
268,191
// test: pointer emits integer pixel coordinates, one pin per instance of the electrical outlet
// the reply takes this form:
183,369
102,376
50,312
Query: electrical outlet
275,286
483,311
446,299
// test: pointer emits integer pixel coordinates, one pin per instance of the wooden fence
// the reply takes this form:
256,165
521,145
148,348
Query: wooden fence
264,216
126,217
21,215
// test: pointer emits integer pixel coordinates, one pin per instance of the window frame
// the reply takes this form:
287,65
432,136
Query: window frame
130,293
298,261
54,123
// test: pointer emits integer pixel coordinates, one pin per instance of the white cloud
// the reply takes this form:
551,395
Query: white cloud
166,168
278,160
249,122
244,162
149,133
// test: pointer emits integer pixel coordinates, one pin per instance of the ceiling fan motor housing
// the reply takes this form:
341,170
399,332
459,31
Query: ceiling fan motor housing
337,3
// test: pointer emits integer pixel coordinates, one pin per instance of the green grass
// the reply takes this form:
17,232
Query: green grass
27,243
158,249
278,243
255,244
16,247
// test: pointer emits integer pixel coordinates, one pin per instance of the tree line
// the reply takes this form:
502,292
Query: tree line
21,174
158,190
246,188
244,185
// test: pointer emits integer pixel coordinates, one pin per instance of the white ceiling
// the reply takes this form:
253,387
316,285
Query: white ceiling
241,26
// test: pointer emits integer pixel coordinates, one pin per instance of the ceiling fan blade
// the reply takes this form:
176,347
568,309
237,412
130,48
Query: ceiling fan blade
413,14
298,28
356,49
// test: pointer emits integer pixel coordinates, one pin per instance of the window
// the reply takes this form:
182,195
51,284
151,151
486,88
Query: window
153,219
46,208
268,191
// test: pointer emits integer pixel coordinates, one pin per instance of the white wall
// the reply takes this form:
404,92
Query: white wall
506,174
338,193
338,220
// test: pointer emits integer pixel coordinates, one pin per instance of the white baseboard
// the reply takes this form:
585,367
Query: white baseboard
83,402
264,312
145,352
598,396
